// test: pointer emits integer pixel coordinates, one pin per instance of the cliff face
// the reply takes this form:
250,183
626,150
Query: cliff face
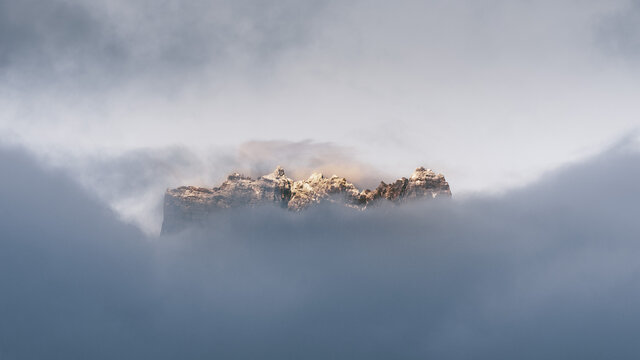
194,205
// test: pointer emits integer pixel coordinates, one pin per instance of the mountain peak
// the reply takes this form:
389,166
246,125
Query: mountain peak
189,204
279,171
277,174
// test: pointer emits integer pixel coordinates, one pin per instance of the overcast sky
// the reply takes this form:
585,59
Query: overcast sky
491,93
529,108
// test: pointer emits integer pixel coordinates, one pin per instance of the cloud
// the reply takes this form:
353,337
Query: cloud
472,87
56,41
103,45
547,271
132,183
619,33
302,158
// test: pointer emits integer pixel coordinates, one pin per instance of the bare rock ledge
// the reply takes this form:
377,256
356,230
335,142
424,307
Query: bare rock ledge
194,205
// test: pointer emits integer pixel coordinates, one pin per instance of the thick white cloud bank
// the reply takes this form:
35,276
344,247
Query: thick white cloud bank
548,271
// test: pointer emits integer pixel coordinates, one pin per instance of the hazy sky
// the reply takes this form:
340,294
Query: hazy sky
491,93
530,109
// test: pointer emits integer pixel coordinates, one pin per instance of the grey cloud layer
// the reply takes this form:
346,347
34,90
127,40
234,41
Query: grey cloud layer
96,44
549,271
619,32
402,82
113,43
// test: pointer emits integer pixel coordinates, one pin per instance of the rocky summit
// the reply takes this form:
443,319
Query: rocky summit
188,205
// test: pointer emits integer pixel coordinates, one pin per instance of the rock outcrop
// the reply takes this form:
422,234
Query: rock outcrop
194,205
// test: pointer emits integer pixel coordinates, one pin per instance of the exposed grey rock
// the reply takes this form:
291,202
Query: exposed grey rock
318,188
192,205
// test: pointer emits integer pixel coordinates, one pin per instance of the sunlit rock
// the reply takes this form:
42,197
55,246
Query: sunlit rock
188,205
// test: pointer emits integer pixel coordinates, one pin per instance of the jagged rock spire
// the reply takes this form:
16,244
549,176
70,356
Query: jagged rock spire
190,204
279,171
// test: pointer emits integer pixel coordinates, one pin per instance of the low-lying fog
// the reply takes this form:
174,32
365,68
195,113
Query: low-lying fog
547,271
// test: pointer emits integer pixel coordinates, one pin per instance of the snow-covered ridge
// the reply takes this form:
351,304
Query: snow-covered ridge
190,204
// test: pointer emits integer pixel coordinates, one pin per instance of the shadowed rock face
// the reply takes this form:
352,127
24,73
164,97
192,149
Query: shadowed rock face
193,205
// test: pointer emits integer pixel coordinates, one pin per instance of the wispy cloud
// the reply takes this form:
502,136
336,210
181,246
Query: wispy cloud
493,93
133,182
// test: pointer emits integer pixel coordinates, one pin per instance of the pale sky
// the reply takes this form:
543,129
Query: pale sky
493,94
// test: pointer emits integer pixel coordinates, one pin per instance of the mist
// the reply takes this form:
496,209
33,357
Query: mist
491,93
132,183
528,108
549,270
